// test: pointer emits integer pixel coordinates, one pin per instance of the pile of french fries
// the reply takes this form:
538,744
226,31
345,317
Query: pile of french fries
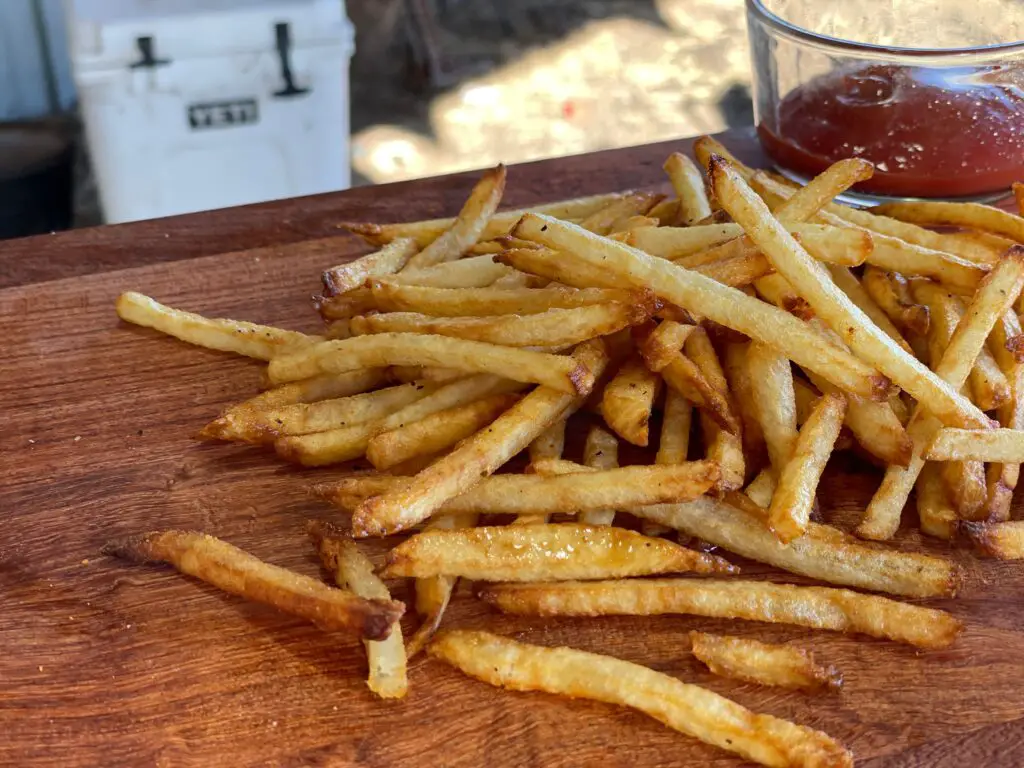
741,331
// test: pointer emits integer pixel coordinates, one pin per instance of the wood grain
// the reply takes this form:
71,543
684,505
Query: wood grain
109,663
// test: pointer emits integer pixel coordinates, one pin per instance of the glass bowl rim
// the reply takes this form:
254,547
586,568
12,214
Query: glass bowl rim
779,24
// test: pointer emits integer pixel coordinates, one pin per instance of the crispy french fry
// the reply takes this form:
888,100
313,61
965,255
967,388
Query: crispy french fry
471,272
995,296
659,347
382,349
436,432
689,709
353,571
1004,540
555,552
784,666
548,263
790,510
761,490
674,443
999,445
833,306
723,446
548,445
612,217
1002,478
600,451
821,553
777,290
553,328
677,242
937,516
737,373
726,306
476,457
347,305
628,400
465,302
544,492
881,287
771,387
820,190
972,215
689,188
260,341
737,271
434,594
840,610
685,377
468,226
388,260
855,292
237,572
234,422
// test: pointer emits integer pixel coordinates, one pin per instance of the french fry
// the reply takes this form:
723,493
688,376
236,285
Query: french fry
685,377
553,328
1003,540
826,608
538,493
465,302
249,339
436,432
771,387
1002,478
761,490
558,372
659,347
600,451
689,709
723,446
237,572
674,442
551,551
783,666
353,571
548,445
820,190
881,287
471,272
971,215
737,271
388,260
777,290
548,263
628,400
821,553
347,305
434,594
936,514
790,510
855,292
737,373
235,421
834,308
476,457
612,217
689,188
999,445
725,306
677,242
995,296
469,225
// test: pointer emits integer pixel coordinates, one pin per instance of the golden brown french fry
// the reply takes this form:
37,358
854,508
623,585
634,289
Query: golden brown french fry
553,328
1004,540
936,514
821,553
237,572
471,272
686,708
612,217
666,213
550,551
999,445
771,387
820,190
790,510
1002,478
476,457
548,445
677,242
737,271
971,215
881,287
466,302
388,260
600,451
434,594
548,263
777,290
674,442
855,292
353,571
685,377
659,347
723,446
469,225
833,306
541,492
761,490
706,146
260,341
234,422
688,184
436,432
342,307
628,400
784,666
996,295
725,306
382,349
737,373
828,608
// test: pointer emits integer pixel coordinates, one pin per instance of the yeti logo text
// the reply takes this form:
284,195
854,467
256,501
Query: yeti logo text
222,114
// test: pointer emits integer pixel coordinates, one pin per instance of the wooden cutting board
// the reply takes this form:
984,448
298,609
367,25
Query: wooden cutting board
106,663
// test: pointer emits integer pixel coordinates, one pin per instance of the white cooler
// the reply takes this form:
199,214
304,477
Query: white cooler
197,104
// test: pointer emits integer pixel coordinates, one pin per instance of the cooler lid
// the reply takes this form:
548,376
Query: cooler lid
105,33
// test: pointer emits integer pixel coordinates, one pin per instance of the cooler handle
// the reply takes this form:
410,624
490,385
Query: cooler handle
149,59
284,44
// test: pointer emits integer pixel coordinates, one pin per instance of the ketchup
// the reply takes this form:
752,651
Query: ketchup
929,132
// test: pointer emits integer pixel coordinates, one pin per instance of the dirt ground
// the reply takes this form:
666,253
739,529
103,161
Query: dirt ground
528,79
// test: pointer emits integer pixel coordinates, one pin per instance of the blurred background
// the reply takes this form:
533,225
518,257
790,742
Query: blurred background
114,110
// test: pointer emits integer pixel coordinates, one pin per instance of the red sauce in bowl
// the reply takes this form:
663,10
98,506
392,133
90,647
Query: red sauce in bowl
947,132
